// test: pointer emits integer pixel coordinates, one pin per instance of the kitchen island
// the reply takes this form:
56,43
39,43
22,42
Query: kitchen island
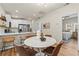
14,34
18,36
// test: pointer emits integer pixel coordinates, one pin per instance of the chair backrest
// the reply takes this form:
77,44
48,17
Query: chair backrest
48,35
30,36
25,51
57,48
21,51
17,41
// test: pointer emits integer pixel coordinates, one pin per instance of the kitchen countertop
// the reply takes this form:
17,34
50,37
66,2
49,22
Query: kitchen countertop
22,33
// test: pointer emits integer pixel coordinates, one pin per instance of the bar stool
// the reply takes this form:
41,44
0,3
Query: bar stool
22,37
1,46
19,40
8,40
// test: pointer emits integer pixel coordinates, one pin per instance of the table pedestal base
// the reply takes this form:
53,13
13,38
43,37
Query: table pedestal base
40,54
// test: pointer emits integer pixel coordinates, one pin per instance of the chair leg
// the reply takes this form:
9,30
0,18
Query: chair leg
13,43
3,48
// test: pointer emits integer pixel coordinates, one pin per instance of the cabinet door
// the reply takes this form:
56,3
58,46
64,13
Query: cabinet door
24,27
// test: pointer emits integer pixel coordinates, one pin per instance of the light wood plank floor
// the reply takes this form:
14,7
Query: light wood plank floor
8,52
68,49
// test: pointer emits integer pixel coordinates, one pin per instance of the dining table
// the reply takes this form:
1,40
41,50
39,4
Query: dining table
35,42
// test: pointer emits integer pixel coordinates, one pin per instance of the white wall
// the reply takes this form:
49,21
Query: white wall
55,19
1,13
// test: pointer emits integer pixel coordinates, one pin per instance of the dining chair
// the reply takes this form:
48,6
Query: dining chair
54,51
22,49
22,38
25,51
18,40
30,36
57,49
48,49
48,35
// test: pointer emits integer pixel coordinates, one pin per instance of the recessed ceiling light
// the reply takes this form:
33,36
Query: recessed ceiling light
17,11
62,17
43,4
40,4
34,14
29,18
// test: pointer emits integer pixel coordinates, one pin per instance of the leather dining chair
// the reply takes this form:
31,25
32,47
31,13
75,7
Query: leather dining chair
53,51
25,51
48,35
21,38
48,49
30,36
57,49
20,51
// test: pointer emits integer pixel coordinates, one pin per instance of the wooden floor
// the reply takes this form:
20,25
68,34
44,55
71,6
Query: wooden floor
68,49
8,52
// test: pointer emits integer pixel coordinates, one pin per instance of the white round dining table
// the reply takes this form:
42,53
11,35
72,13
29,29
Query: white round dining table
35,42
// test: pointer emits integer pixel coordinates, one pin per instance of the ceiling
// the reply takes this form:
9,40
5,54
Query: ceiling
30,11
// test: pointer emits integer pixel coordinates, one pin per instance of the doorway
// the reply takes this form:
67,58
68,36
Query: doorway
69,27
70,33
